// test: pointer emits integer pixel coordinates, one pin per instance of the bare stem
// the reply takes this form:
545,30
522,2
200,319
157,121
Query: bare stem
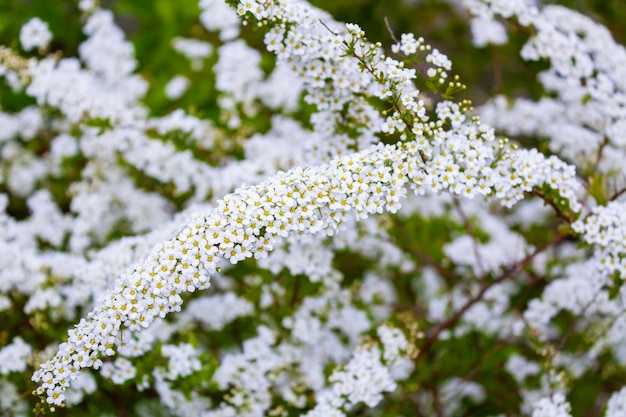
508,273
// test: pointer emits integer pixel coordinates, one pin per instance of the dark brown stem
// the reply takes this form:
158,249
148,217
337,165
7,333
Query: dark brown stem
564,216
327,28
618,194
605,142
508,273
393,36
437,402
497,70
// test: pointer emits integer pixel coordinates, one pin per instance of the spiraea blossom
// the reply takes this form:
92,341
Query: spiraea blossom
312,200
260,210
35,34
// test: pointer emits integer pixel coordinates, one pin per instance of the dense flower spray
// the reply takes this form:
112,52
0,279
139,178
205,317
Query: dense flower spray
328,237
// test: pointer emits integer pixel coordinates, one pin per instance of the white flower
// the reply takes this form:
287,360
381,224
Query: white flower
176,87
616,406
35,34
488,31
196,51
119,371
555,406
218,16
13,356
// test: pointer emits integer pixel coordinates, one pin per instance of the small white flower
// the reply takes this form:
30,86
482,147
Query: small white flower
35,34
176,87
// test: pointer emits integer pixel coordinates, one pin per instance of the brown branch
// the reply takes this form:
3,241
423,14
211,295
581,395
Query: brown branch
434,333
605,142
327,28
564,216
393,36
617,194
437,402
497,70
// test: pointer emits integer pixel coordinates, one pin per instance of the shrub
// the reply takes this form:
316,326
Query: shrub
257,210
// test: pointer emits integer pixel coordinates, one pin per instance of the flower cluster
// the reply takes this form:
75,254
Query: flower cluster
604,229
555,407
585,118
35,34
244,224
330,223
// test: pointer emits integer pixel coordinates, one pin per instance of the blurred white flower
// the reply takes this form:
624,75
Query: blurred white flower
35,34
176,87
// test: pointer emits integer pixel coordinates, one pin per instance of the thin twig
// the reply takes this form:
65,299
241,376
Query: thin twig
618,194
605,142
557,210
393,36
327,28
434,333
